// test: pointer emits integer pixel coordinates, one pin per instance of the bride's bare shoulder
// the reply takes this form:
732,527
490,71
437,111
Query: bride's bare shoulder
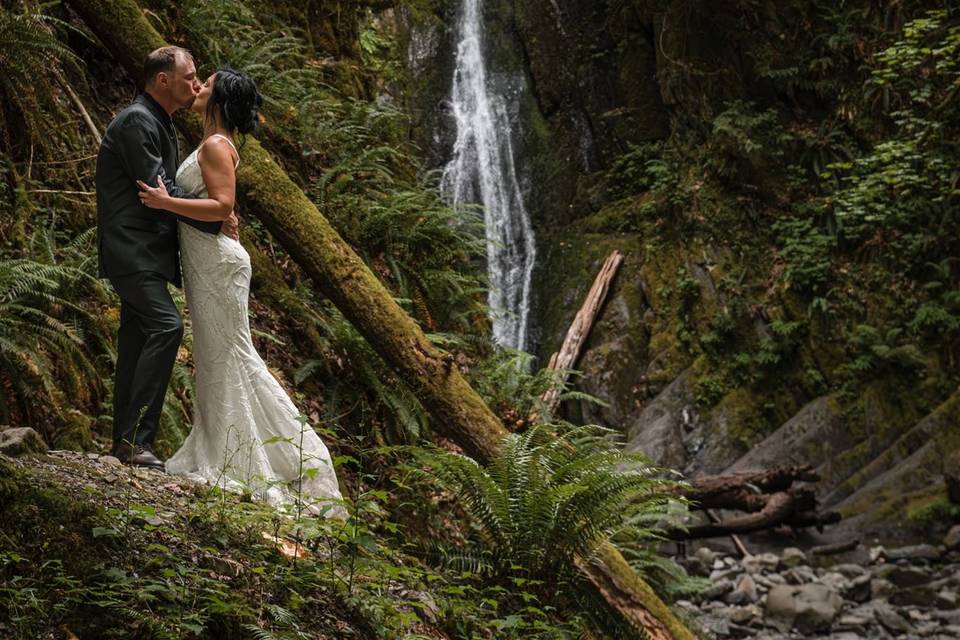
218,152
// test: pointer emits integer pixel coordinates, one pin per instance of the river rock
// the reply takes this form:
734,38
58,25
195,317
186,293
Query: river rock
717,591
952,540
761,562
809,608
903,576
849,570
914,552
800,575
945,599
792,556
858,589
748,586
881,588
891,620
21,440
835,581
920,596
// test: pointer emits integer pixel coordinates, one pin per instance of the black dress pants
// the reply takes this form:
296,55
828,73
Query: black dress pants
150,334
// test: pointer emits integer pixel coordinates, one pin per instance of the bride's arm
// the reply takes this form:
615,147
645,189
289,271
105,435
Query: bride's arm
218,176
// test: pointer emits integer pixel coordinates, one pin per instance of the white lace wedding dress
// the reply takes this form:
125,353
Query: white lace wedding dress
245,433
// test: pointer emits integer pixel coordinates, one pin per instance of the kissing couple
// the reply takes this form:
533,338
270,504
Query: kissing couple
153,217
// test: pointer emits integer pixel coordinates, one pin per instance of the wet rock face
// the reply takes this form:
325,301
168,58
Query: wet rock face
793,595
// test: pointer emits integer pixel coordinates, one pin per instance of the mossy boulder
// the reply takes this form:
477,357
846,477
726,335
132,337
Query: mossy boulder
21,440
75,433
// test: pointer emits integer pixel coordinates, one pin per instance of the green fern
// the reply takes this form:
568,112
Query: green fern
31,56
42,345
553,493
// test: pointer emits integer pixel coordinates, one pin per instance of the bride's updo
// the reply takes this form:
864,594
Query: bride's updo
235,94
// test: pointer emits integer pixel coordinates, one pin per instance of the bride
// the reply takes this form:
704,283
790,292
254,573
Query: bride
246,433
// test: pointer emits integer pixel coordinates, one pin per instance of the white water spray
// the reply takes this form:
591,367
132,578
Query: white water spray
482,171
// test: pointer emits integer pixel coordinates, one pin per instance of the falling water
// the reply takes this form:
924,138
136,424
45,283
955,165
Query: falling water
482,171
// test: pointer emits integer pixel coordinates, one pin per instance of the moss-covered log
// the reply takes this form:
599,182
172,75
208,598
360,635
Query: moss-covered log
337,270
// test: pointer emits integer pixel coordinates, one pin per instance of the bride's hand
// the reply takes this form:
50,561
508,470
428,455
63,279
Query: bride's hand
231,226
153,197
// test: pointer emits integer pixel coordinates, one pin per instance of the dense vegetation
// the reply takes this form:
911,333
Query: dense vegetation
816,180
824,190
328,119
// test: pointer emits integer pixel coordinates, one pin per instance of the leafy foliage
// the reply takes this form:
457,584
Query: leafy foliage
552,494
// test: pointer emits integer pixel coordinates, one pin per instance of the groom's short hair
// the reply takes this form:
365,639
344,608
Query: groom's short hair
163,59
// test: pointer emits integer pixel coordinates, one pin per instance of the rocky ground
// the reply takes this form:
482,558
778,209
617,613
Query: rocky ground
867,593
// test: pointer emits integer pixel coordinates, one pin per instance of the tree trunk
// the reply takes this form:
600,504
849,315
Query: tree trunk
579,330
342,276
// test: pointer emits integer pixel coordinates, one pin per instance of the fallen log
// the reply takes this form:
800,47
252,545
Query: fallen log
766,481
789,507
564,359
766,496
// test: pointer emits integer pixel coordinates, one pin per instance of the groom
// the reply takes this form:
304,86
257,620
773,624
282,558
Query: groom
138,248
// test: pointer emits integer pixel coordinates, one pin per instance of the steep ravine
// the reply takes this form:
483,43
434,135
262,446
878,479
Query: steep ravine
594,87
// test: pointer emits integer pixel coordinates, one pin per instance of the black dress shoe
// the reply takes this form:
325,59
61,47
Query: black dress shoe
138,455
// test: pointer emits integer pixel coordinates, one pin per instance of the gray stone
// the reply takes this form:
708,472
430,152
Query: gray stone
744,614
792,557
952,540
718,625
717,591
848,569
920,596
18,441
914,552
904,576
852,621
761,562
705,555
109,460
835,581
917,615
748,586
891,620
948,616
945,599
881,588
800,575
736,597
809,608
858,589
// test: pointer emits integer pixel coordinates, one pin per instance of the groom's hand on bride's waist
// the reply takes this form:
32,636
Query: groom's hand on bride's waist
231,226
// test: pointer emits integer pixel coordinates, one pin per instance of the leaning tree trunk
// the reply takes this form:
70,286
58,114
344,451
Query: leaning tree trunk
338,272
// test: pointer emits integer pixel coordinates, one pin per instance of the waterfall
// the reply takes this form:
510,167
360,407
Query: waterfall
481,171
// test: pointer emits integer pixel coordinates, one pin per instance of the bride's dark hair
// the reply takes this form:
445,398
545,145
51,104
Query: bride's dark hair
236,95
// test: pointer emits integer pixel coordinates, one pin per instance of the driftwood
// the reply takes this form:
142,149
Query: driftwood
564,359
767,497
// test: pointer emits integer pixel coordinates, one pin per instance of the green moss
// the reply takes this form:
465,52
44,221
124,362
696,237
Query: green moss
9,477
744,413
75,434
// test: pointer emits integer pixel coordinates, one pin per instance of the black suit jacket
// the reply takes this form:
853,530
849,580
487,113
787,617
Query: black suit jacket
140,144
